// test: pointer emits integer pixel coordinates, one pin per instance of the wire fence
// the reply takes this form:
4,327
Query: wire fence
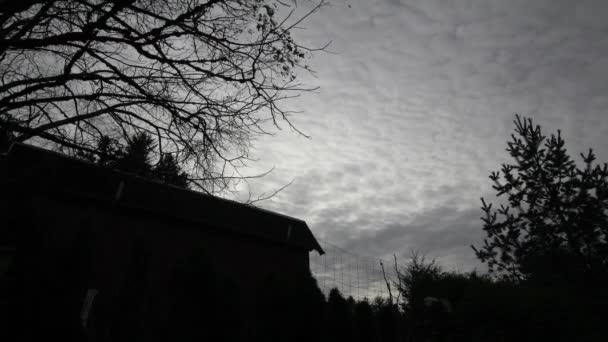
354,275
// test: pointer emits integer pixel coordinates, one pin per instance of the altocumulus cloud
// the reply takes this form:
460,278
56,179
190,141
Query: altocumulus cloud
415,109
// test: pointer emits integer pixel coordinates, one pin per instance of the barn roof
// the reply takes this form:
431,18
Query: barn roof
41,170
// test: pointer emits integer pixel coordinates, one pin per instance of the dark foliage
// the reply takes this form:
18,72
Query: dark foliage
389,321
338,317
363,319
137,158
168,171
449,306
349,320
553,227
292,310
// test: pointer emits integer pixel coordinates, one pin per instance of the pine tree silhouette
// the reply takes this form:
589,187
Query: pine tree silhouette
136,158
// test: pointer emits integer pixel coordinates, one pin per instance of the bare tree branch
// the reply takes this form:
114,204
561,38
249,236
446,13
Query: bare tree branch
203,77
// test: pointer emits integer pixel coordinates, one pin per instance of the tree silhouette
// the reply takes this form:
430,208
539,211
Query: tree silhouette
168,171
290,309
553,226
137,158
363,318
339,317
202,77
415,282
108,152
389,321
6,138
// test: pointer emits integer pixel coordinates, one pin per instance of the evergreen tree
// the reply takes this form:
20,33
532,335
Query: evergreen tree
136,158
108,151
339,317
168,171
553,226
363,317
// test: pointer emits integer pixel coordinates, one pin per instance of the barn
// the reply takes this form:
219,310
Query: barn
91,253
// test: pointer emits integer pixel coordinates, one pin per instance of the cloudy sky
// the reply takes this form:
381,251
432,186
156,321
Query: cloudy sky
415,108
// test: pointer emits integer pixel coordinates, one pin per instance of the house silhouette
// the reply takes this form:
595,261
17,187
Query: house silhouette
91,253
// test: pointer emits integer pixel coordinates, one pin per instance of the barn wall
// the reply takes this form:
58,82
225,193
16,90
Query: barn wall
142,265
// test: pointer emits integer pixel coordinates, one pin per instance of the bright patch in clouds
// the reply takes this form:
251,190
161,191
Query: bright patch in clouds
415,109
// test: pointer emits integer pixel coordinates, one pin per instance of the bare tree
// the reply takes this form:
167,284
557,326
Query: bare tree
202,77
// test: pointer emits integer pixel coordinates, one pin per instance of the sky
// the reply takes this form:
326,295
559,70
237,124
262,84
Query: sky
415,105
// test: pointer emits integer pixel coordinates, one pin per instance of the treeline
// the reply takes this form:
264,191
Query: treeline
430,304
448,306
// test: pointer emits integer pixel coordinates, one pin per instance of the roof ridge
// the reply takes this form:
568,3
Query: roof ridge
149,180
